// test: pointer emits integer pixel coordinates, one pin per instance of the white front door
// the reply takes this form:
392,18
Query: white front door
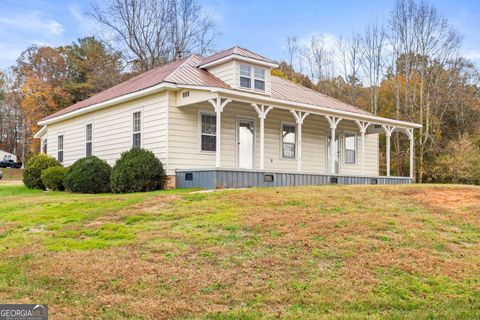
336,147
246,138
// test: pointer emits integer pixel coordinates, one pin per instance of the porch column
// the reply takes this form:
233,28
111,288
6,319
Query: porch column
333,121
218,105
411,137
388,133
299,117
262,114
363,125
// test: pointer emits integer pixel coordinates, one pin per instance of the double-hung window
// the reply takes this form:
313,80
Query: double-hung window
208,132
245,76
137,129
44,146
289,140
60,149
252,77
350,148
88,140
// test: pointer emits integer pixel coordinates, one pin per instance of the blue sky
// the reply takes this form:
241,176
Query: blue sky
258,25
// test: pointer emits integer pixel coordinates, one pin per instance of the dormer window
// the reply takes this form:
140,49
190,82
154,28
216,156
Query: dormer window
252,77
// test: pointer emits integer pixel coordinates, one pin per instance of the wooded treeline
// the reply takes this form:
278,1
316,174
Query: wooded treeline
408,67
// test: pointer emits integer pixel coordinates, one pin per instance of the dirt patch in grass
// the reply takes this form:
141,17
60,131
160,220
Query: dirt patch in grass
458,200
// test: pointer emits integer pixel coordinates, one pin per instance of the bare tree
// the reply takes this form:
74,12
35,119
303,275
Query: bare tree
155,32
292,51
422,43
349,57
319,58
373,50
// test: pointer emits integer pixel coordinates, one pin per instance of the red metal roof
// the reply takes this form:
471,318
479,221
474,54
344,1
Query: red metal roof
187,72
287,90
237,51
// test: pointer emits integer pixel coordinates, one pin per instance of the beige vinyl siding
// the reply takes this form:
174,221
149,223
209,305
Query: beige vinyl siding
112,130
225,72
184,148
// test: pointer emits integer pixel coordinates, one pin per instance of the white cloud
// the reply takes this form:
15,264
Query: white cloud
31,21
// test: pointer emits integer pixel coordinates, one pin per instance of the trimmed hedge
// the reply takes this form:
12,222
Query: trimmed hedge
137,170
53,177
88,175
33,170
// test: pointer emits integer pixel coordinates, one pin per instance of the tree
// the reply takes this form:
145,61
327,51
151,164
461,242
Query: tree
154,32
92,68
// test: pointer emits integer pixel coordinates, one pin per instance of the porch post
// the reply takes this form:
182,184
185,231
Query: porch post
363,125
299,117
411,137
262,114
218,105
333,121
388,133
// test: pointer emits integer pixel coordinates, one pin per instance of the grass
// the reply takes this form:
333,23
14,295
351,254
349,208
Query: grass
329,252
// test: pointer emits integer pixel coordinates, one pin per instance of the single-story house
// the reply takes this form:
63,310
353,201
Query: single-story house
225,121
4,155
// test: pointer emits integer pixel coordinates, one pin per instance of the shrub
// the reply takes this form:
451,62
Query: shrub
88,175
33,170
459,163
53,177
137,170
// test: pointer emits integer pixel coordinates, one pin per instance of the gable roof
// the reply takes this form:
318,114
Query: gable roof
239,51
183,71
186,71
287,90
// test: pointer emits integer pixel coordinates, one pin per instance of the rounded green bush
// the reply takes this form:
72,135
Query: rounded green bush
137,170
53,177
33,170
88,175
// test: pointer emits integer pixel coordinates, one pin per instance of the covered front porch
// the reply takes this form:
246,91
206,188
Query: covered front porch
258,144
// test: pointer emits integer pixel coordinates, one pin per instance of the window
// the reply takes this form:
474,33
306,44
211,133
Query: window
252,76
208,132
350,148
60,149
44,146
137,129
289,139
88,140
259,79
245,76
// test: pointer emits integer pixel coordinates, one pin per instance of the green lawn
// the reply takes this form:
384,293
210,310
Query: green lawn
354,252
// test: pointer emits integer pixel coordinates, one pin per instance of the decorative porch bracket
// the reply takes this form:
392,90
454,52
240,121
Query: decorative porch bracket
299,117
362,126
333,122
411,137
218,105
388,133
262,114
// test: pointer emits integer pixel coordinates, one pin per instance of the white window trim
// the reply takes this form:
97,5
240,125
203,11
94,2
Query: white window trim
61,134
344,146
252,77
237,123
43,146
327,154
282,123
199,131
85,138
141,126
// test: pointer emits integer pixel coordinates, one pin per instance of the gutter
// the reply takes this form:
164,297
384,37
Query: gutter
326,111
134,95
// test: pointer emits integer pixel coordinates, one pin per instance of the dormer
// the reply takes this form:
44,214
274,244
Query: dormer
241,69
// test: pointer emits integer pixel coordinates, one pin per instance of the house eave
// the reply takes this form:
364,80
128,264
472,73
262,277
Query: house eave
40,132
238,58
134,95
284,104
